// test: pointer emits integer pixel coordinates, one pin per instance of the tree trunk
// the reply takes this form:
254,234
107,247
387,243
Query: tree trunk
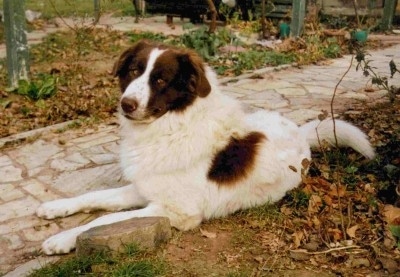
16,42
213,11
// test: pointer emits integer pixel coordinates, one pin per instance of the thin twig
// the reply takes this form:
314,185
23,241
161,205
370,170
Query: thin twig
327,251
340,206
60,16
333,98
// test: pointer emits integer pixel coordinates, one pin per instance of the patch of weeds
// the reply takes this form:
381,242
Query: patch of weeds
132,249
25,110
264,212
76,266
351,177
253,59
382,81
395,230
316,48
135,36
50,48
332,49
334,22
205,43
143,268
298,199
41,87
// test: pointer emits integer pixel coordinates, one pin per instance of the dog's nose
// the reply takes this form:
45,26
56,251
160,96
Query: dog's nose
129,105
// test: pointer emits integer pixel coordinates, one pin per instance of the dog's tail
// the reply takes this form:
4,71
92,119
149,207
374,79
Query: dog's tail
347,135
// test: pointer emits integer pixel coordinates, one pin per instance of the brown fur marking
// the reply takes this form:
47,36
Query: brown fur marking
236,160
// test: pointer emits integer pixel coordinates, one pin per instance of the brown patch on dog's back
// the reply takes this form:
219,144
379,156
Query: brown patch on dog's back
236,160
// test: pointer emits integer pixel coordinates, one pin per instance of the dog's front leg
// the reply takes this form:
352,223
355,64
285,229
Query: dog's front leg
110,199
65,241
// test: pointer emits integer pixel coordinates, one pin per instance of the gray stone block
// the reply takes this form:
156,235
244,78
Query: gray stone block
146,232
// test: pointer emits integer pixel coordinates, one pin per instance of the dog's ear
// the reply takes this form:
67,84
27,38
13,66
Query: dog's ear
121,66
197,82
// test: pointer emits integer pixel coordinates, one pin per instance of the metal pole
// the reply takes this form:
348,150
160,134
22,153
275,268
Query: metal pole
16,43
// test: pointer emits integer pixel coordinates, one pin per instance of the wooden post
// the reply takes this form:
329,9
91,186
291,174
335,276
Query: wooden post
213,11
96,11
388,13
263,23
298,14
16,43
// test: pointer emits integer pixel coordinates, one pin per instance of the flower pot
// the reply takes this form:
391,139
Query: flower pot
284,30
360,35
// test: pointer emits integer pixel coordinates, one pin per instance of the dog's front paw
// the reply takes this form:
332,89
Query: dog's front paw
61,243
56,208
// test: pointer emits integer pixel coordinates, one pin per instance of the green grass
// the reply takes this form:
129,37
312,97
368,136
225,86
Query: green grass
138,269
137,264
54,8
76,266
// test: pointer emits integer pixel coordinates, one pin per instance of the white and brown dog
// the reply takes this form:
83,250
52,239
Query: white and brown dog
190,152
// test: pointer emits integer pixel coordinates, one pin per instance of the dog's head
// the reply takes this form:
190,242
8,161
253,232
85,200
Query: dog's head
156,79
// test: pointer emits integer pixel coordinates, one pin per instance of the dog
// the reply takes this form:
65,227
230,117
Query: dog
190,152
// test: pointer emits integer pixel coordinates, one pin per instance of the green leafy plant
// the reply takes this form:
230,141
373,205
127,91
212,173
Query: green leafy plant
135,36
332,48
204,42
382,82
253,59
395,230
44,87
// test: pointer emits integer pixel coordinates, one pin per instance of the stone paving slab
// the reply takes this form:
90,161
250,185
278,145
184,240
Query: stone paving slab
57,165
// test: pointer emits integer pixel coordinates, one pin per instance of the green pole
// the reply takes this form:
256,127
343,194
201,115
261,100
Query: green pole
16,43
388,13
96,11
298,14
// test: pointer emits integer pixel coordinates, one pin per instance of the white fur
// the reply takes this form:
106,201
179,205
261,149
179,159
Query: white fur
140,90
167,162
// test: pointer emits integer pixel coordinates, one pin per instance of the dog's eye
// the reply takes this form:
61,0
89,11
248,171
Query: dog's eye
160,82
134,71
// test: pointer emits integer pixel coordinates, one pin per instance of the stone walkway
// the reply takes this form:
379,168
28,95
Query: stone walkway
61,164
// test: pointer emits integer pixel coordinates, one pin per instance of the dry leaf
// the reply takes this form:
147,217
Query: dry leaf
392,214
314,204
210,235
337,190
328,200
352,231
297,237
335,233
316,222
286,210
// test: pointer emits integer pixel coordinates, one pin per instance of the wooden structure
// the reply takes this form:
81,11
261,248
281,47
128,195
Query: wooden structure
192,9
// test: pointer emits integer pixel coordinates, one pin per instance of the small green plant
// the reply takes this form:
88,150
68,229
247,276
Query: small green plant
395,230
135,36
44,87
253,59
204,42
132,249
332,49
298,199
382,82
